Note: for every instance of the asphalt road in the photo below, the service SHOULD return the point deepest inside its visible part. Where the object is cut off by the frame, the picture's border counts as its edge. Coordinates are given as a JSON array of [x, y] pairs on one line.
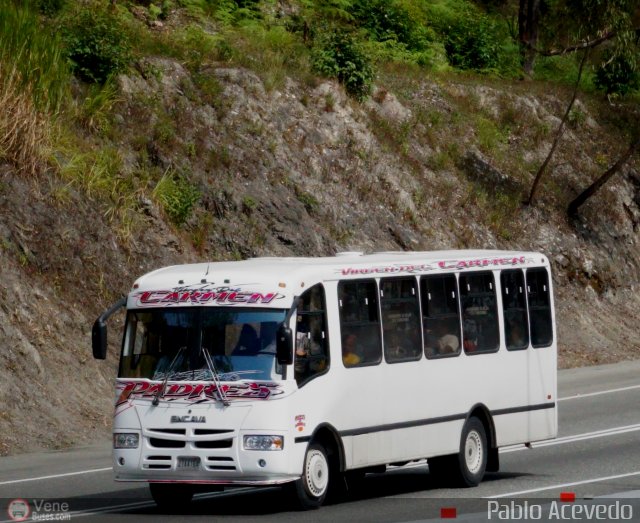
[[596, 458]]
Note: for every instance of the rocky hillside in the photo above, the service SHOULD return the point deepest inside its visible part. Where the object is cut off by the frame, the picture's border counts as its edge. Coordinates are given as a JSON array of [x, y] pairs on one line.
[[299, 168]]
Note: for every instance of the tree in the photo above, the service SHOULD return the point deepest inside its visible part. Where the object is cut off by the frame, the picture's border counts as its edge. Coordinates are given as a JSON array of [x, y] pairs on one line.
[[556, 140], [528, 22], [583, 25], [572, 210]]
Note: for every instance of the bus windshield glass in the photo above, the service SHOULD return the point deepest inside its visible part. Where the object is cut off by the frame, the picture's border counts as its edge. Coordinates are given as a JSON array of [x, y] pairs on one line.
[[171, 344]]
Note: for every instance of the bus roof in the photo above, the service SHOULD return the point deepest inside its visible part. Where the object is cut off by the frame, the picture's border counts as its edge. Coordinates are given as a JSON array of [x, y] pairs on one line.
[[274, 282]]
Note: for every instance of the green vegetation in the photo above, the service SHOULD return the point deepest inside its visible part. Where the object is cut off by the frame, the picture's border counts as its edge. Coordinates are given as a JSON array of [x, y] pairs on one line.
[[96, 43], [357, 42], [343, 39], [338, 55], [177, 196], [34, 80], [33, 57], [618, 74]]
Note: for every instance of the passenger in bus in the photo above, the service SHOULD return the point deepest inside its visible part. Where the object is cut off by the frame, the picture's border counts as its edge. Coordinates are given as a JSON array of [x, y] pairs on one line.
[[310, 355], [448, 344], [350, 351], [515, 337], [301, 366], [394, 344], [470, 333], [441, 341], [248, 342], [268, 331]]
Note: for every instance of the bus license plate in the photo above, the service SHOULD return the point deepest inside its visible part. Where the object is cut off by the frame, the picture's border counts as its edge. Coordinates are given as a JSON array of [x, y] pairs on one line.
[[189, 462]]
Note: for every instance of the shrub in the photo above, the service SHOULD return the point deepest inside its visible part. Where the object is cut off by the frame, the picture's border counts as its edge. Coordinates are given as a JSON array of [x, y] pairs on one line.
[[617, 75], [394, 21], [50, 7], [177, 196], [235, 11], [471, 39], [198, 45], [385, 20], [471, 43], [97, 44], [338, 55]]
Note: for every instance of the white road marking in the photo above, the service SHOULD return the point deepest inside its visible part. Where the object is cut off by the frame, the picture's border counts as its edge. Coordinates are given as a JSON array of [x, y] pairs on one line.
[[614, 431], [590, 394], [91, 471], [565, 485]]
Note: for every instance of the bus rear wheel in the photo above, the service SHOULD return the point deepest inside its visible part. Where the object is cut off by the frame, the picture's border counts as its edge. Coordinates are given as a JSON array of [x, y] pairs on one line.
[[472, 458], [467, 468], [311, 489]]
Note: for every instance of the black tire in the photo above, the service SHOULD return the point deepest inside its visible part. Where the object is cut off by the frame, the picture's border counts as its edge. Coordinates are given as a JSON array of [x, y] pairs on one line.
[[441, 469], [311, 489], [171, 496], [467, 468], [472, 458]]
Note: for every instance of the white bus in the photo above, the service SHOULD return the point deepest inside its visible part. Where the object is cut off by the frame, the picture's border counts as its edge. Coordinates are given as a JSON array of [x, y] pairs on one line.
[[301, 371]]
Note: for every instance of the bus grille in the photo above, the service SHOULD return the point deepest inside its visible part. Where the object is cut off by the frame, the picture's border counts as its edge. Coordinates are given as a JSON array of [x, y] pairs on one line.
[[219, 463], [166, 443], [159, 462]]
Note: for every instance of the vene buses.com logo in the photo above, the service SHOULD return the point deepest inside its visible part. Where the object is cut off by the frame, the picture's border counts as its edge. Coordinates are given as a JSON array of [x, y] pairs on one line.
[[19, 510]]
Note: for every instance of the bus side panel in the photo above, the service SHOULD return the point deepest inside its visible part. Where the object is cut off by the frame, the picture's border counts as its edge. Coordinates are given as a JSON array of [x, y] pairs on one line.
[[543, 383], [507, 369], [405, 444], [543, 390], [510, 428]]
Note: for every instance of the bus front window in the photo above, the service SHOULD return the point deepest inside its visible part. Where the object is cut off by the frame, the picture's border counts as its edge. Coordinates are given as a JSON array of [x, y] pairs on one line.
[[173, 341]]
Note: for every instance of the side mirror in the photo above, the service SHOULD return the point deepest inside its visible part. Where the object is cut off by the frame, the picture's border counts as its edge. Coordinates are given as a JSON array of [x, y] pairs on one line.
[[99, 339], [284, 345], [99, 331]]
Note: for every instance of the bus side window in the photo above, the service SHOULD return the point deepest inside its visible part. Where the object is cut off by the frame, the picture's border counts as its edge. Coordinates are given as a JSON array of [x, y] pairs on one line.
[[479, 312], [312, 341], [440, 315], [359, 323], [539, 308], [514, 309], [400, 319]]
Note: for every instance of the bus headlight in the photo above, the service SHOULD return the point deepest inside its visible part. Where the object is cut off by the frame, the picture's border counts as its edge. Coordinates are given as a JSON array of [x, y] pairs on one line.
[[125, 440], [263, 442]]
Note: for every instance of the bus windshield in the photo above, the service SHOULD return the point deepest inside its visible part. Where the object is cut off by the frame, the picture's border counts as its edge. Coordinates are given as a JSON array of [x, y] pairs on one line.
[[171, 344]]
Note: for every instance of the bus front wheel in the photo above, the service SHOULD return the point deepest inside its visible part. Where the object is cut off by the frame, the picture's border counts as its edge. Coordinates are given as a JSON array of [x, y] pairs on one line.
[[311, 489]]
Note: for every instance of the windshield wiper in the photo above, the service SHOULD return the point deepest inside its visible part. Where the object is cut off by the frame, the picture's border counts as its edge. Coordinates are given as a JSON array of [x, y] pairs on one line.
[[156, 398], [214, 375]]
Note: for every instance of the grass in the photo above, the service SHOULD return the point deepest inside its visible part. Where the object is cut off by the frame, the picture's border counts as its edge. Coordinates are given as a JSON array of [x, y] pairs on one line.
[[95, 111], [34, 80], [32, 56], [489, 136], [101, 176], [177, 196], [24, 131], [272, 52]]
